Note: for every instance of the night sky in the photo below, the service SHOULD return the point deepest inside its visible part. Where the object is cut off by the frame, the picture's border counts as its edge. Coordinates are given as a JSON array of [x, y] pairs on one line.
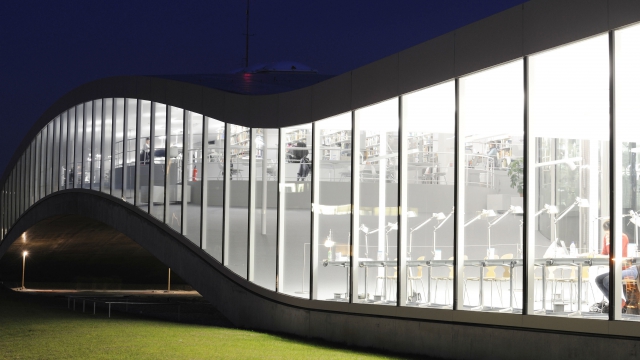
[[49, 48]]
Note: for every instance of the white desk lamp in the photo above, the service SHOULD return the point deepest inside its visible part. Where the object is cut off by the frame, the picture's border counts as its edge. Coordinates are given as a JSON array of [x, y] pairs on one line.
[[366, 232], [482, 214], [329, 244], [435, 228], [391, 227], [580, 202], [438, 216], [569, 161], [512, 209]]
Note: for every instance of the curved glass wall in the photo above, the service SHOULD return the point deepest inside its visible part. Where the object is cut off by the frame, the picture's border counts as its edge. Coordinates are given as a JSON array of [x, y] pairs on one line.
[[296, 210]]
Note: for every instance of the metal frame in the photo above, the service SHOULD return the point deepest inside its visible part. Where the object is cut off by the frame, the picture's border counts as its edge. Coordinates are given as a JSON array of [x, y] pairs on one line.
[[458, 200], [251, 211], [615, 196]]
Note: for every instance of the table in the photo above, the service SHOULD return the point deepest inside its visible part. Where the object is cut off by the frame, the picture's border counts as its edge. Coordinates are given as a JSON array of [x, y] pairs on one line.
[[577, 261]]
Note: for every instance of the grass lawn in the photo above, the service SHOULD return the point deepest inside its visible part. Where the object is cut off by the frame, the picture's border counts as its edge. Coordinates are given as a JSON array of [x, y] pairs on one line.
[[37, 330]]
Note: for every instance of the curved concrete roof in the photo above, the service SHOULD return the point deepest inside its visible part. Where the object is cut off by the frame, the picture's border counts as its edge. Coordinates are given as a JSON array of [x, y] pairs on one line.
[[523, 30]]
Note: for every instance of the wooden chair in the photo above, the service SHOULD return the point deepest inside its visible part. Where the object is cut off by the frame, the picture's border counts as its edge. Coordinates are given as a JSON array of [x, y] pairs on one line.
[[490, 277], [418, 276]]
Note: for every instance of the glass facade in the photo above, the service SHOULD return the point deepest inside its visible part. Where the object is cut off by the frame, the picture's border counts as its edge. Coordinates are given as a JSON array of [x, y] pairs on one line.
[[489, 192]]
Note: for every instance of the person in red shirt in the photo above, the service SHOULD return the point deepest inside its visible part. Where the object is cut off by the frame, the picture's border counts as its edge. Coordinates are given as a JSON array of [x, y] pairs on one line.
[[602, 280]]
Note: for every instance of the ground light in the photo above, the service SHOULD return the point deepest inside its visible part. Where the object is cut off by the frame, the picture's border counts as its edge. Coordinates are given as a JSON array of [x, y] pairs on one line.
[[24, 259]]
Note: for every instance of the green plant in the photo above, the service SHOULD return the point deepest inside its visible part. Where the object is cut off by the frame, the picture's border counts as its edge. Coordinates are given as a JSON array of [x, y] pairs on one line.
[[515, 172]]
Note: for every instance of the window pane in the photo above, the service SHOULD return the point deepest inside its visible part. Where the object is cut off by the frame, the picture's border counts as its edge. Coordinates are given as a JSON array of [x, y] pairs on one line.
[[49, 164], [55, 154], [44, 136], [131, 107], [62, 166], [265, 201], [144, 155], [377, 175], [78, 150], [33, 170], [159, 145], [173, 216], [105, 168], [295, 211], [118, 149], [213, 193], [429, 130], [332, 205], [71, 141], [193, 165], [238, 215], [492, 126], [86, 152], [569, 120], [628, 134], [96, 153]]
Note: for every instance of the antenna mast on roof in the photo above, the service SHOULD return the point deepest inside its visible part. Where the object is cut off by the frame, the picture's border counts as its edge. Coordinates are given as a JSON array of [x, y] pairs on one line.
[[246, 50]]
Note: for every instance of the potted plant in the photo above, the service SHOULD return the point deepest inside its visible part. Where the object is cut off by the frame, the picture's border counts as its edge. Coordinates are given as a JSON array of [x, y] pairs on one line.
[[515, 172]]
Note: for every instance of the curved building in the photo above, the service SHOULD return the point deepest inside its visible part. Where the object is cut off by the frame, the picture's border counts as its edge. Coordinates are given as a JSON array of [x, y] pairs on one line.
[[470, 197]]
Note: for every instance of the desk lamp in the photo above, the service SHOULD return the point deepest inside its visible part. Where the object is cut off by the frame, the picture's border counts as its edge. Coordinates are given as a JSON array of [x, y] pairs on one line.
[[580, 202], [366, 232], [438, 216], [329, 243], [435, 228], [391, 227], [569, 161], [481, 214], [512, 209]]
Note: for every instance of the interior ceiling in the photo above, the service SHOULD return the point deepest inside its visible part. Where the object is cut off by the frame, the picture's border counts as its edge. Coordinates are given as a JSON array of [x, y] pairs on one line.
[[74, 249]]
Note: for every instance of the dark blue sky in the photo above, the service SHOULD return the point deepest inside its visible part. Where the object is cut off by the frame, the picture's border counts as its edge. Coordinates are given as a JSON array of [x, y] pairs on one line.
[[48, 48]]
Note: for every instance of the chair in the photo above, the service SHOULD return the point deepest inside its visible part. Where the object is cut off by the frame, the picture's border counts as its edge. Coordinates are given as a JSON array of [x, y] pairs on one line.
[[573, 280], [490, 277], [632, 295], [446, 279], [413, 279], [506, 276], [390, 279]]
